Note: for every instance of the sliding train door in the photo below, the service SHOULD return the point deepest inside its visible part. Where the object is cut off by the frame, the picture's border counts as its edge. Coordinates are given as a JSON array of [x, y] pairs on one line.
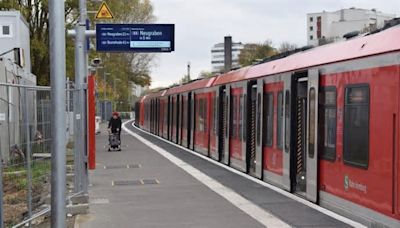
[[252, 115], [286, 136], [312, 136], [303, 126], [226, 127]]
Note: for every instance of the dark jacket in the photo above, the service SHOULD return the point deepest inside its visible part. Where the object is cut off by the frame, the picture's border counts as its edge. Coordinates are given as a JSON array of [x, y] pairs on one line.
[[114, 124]]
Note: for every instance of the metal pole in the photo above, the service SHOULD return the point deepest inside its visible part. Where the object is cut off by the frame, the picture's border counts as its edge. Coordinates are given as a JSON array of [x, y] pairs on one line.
[[28, 154], [80, 182], [58, 125]]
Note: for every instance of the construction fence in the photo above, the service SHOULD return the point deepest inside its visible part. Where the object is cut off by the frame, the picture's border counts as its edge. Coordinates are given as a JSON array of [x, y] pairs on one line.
[[25, 152]]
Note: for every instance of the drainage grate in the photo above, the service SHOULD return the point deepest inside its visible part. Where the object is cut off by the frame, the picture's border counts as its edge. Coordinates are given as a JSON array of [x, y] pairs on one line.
[[127, 182], [150, 181], [131, 166], [135, 182]]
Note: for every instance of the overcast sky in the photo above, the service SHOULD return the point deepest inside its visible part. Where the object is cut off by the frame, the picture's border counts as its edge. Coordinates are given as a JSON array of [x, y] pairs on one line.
[[199, 24]]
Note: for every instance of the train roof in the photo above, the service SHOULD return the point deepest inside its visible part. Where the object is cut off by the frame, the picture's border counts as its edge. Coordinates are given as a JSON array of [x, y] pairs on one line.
[[198, 84], [382, 42]]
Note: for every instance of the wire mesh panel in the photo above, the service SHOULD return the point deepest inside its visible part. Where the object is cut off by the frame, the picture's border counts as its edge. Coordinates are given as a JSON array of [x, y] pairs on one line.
[[25, 148]]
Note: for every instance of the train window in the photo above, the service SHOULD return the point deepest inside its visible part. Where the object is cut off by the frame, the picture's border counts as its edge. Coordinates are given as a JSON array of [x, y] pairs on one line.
[[279, 124], [327, 123], [287, 121], [311, 124], [268, 119], [356, 126]]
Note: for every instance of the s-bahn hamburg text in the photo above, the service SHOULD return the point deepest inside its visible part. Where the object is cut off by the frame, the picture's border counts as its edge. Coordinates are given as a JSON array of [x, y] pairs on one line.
[[135, 37]]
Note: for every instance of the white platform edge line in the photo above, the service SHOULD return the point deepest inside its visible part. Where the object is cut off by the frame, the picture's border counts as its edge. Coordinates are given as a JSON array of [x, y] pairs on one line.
[[240, 202], [258, 181]]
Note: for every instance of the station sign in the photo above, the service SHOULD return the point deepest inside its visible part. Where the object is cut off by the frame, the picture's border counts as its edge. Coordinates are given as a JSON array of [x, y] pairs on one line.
[[135, 37]]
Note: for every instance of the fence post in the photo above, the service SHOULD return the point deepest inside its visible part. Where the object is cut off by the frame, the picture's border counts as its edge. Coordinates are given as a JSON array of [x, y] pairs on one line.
[[28, 153]]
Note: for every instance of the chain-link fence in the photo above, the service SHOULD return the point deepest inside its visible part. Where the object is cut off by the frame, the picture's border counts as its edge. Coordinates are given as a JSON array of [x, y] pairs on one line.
[[25, 151]]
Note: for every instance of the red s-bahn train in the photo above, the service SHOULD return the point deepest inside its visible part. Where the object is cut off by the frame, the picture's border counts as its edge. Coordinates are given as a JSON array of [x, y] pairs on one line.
[[322, 123]]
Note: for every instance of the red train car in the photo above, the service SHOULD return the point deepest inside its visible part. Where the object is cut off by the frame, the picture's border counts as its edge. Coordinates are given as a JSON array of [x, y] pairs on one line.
[[321, 123]]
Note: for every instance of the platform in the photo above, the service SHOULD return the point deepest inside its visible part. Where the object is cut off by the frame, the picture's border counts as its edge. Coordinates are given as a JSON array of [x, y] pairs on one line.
[[152, 183]]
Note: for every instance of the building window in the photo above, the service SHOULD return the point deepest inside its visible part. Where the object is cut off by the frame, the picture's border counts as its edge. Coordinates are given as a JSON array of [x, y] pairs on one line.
[[311, 28], [311, 19], [356, 126], [311, 37], [6, 30], [268, 119], [327, 123]]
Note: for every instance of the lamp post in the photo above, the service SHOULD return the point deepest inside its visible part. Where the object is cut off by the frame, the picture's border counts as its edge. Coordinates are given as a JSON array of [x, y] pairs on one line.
[[114, 94], [105, 84]]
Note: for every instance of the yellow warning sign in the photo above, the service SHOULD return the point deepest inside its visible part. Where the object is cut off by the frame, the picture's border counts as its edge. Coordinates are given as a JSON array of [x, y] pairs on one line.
[[104, 12]]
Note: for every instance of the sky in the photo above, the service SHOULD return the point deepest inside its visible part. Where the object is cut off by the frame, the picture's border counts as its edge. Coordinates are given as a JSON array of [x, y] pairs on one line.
[[199, 24]]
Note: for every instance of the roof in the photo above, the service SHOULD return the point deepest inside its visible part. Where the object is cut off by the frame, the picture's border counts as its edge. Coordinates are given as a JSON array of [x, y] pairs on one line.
[[199, 84], [378, 43]]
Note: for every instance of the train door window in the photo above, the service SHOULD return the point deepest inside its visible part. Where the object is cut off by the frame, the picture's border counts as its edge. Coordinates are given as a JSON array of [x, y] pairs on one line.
[[287, 120], [356, 126], [258, 119], [200, 122], [268, 127], [279, 123], [240, 109], [327, 123], [311, 124], [205, 117], [234, 114], [215, 117]]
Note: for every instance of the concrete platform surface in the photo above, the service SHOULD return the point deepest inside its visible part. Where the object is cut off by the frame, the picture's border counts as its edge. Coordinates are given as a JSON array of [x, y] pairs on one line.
[[177, 200]]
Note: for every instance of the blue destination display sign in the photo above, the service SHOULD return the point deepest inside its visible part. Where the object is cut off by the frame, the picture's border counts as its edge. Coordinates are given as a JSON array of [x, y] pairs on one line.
[[135, 37]]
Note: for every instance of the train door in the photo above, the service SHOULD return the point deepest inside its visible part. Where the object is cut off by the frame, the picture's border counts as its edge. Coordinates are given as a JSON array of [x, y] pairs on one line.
[[182, 135], [312, 136], [168, 118], [237, 127], [252, 114], [151, 116], [304, 159], [226, 100], [192, 110], [286, 137], [213, 132], [178, 118], [222, 138]]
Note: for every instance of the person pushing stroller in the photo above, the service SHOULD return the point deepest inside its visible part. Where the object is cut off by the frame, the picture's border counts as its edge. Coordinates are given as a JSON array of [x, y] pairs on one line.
[[114, 128]]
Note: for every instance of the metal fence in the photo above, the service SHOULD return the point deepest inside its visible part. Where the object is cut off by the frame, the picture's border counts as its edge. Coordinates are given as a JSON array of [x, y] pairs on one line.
[[25, 152]]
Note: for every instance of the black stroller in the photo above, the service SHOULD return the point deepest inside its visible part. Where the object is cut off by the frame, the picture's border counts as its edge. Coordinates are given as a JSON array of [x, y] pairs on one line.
[[114, 142]]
